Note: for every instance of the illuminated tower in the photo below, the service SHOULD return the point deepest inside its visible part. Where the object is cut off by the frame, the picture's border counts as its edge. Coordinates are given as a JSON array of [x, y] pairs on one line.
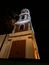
[[22, 43]]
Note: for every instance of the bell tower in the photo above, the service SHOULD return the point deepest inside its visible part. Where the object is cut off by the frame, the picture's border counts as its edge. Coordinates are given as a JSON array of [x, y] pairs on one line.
[[23, 38], [21, 42]]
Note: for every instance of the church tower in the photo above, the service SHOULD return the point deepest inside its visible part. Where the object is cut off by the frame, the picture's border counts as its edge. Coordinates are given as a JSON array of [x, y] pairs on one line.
[[22, 43]]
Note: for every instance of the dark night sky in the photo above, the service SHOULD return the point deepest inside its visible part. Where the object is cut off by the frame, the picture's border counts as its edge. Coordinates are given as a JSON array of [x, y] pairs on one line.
[[39, 15]]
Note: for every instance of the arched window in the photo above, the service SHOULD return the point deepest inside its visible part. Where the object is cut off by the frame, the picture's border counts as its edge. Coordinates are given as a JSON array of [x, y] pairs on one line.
[[23, 17], [22, 27]]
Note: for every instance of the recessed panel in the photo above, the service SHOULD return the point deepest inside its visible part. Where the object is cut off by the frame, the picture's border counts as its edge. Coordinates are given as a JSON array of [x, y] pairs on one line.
[[18, 49]]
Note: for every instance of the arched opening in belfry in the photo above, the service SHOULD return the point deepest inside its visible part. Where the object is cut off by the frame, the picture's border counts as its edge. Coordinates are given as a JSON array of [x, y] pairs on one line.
[[22, 27], [23, 17]]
